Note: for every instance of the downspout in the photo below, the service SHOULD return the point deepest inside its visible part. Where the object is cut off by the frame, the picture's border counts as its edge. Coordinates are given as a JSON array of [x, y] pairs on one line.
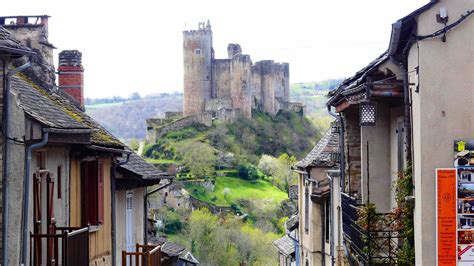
[[113, 212], [145, 209], [331, 215], [6, 152], [341, 148], [26, 194]]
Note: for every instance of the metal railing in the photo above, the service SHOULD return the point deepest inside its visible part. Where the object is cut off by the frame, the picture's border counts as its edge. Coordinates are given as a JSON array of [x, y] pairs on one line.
[[377, 241], [144, 255], [69, 246]]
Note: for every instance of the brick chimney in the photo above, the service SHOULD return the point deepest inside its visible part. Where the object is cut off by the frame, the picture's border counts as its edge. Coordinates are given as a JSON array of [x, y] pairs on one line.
[[70, 77]]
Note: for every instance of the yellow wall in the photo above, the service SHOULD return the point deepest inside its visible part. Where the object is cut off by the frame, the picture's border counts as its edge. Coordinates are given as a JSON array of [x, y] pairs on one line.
[[100, 240]]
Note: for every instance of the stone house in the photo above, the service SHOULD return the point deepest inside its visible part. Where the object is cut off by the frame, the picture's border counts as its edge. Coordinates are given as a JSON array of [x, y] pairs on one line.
[[315, 201], [406, 108], [62, 172]]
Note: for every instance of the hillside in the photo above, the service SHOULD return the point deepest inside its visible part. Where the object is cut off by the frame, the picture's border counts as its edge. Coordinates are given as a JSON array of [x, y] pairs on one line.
[[125, 118]]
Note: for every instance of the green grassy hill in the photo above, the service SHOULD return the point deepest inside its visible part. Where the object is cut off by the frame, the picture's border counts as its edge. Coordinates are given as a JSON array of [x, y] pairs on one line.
[[238, 189]]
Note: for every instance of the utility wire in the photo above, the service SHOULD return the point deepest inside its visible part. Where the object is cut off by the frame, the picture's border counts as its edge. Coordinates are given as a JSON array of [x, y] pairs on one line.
[[447, 28]]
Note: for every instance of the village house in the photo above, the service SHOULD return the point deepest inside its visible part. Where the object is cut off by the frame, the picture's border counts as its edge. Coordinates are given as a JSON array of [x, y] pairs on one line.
[[72, 194], [317, 242], [404, 111]]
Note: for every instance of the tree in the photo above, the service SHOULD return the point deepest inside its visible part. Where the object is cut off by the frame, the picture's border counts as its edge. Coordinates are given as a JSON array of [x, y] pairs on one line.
[[198, 157]]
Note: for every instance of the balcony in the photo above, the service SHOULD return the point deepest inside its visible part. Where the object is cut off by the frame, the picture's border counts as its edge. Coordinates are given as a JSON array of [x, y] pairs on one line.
[[68, 246], [144, 255], [376, 241]]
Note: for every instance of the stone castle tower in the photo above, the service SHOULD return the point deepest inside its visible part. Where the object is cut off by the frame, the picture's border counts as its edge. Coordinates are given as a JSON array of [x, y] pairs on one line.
[[198, 56], [234, 83], [223, 89]]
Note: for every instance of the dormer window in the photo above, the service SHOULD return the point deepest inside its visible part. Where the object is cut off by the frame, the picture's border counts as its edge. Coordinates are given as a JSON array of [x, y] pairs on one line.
[[197, 51]]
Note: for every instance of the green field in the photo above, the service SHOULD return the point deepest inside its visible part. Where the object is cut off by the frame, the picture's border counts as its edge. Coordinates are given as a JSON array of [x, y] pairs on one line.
[[159, 161], [239, 189], [102, 105]]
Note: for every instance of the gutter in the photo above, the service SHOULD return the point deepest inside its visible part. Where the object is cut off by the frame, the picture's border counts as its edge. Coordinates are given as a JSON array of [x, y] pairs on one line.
[[6, 153], [342, 164], [145, 209], [113, 212], [26, 194]]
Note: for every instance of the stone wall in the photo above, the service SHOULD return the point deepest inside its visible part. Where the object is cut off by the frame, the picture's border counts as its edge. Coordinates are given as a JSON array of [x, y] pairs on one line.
[[353, 152], [198, 204], [198, 56], [221, 78], [240, 87]]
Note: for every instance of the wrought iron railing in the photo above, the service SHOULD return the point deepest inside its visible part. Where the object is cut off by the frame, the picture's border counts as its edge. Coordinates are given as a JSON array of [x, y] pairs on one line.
[[69, 246], [376, 241]]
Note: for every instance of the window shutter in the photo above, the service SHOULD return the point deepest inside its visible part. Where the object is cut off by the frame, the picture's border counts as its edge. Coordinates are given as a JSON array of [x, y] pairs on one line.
[[100, 192], [91, 194]]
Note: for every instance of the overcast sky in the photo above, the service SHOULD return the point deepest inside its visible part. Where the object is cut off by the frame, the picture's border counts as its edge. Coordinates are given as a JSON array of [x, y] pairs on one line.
[[136, 45]]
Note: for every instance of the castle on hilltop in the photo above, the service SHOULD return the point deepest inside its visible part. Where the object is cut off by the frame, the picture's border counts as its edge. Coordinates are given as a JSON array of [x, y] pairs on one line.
[[212, 84], [221, 89]]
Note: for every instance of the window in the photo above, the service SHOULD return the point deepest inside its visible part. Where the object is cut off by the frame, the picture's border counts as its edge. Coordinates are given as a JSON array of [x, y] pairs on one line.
[[41, 159], [92, 192], [197, 51], [306, 207], [327, 224]]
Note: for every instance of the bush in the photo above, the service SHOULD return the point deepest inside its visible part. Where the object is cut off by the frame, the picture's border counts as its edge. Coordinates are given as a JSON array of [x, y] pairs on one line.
[[249, 172]]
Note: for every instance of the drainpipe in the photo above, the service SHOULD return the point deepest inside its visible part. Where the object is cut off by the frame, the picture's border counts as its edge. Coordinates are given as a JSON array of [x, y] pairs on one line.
[[145, 209], [113, 212], [341, 148], [331, 215], [26, 194], [6, 153]]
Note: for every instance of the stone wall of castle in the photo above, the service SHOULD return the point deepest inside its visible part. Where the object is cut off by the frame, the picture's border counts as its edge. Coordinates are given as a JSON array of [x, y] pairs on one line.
[[247, 85]]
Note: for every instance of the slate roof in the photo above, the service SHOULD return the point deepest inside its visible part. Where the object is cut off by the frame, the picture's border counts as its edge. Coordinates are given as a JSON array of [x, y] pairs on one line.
[[293, 192], [139, 166], [285, 245], [293, 222], [53, 110], [320, 155], [349, 85], [10, 45], [172, 249]]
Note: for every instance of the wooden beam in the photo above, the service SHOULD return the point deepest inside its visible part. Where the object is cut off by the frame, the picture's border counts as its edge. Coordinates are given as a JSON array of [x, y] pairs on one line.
[[342, 106]]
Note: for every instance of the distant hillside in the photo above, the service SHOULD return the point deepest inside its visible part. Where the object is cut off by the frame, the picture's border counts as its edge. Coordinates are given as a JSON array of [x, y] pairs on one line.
[[125, 118]]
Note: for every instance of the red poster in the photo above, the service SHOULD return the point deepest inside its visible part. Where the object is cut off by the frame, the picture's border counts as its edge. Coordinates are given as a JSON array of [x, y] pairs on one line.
[[446, 199]]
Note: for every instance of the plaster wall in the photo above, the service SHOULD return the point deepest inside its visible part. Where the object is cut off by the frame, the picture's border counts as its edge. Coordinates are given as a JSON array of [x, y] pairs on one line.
[[312, 241], [138, 219], [15, 180], [442, 111], [375, 162], [396, 119], [353, 151]]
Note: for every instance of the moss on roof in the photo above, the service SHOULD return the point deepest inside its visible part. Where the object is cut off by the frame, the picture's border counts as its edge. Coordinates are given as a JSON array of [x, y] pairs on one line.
[[99, 135]]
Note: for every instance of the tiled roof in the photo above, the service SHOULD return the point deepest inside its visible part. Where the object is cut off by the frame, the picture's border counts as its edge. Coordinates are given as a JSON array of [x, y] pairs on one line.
[[285, 245], [53, 110], [9, 44], [320, 155]]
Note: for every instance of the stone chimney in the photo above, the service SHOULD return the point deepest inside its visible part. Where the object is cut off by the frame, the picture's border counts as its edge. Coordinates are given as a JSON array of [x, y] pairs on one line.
[[70, 77], [32, 31]]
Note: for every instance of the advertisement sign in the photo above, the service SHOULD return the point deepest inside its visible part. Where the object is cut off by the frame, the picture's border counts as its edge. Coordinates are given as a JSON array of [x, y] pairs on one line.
[[446, 216], [464, 163]]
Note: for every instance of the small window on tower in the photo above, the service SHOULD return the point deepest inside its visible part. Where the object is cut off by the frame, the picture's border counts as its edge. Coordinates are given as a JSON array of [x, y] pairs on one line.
[[197, 51]]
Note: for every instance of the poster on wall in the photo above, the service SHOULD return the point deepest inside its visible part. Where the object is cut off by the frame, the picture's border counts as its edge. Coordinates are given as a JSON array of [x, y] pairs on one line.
[[464, 163], [446, 216]]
